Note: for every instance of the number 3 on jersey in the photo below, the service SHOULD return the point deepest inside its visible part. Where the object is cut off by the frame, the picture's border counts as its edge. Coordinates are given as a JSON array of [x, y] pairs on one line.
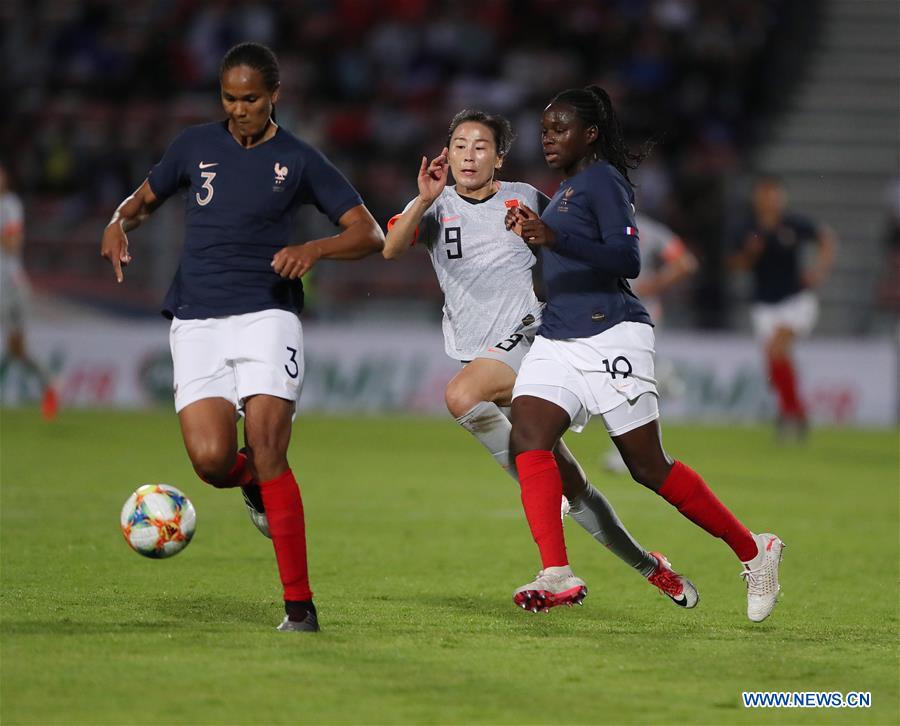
[[208, 177], [453, 240]]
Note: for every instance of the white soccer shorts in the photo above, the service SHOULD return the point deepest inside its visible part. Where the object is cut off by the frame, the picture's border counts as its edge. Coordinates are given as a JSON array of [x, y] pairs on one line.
[[237, 356], [605, 375], [798, 313], [513, 349]]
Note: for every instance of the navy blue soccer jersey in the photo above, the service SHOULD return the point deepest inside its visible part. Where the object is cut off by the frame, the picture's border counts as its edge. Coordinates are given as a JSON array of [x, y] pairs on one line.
[[777, 270], [241, 205], [596, 248]]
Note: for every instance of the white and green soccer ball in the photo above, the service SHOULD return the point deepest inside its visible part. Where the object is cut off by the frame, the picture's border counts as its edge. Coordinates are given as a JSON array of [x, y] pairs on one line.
[[158, 521]]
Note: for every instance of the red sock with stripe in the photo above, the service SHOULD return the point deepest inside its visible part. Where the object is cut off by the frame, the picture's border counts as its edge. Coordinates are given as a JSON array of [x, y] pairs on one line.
[[541, 485], [685, 490], [284, 510], [784, 381]]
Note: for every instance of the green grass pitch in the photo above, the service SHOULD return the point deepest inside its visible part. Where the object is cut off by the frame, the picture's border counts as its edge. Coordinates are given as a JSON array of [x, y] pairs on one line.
[[416, 543]]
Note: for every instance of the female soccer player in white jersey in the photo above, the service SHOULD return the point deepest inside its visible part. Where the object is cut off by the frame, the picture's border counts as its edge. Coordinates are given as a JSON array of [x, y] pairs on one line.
[[593, 355], [491, 313], [236, 338]]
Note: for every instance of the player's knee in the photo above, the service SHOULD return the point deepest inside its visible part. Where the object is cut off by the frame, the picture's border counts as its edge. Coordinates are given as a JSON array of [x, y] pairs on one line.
[[212, 464], [650, 474], [460, 399]]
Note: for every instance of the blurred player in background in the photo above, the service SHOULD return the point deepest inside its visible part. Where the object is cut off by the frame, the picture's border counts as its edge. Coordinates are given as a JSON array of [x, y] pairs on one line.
[[665, 262], [593, 354], [15, 294], [491, 313], [236, 338], [784, 299]]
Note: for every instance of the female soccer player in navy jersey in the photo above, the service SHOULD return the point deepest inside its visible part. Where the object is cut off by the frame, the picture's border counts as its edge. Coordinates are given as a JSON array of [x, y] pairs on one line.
[[593, 354], [491, 313], [236, 338], [784, 298]]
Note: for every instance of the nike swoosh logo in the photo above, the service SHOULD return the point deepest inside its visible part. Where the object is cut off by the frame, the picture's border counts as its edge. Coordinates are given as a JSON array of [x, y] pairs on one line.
[[450, 219], [206, 166]]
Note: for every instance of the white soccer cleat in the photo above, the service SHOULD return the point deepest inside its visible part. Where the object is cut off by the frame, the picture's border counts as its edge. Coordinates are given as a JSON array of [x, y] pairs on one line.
[[761, 575], [553, 586]]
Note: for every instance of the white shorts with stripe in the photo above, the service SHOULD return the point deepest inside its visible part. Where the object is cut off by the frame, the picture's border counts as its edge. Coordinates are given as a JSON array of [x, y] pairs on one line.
[[605, 375], [237, 356], [513, 349], [798, 313]]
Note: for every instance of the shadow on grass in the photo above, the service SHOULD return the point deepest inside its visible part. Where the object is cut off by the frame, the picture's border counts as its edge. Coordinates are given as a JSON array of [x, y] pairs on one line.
[[169, 612]]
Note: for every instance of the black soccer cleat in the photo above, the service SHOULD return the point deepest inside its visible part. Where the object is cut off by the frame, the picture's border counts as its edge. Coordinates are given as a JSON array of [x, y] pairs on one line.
[[255, 507], [309, 623]]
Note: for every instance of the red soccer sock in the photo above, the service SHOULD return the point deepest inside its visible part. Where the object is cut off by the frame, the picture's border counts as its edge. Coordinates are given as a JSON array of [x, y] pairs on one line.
[[685, 490], [784, 381], [284, 510], [239, 475], [541, 486]]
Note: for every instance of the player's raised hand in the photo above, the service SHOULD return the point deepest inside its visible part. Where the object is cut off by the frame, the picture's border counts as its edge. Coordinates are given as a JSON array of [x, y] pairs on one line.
[[433, 176], [294, 261], [114, 247]]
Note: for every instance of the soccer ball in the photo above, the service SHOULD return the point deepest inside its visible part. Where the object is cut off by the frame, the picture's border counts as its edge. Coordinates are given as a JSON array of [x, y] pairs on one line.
[[158, 521]]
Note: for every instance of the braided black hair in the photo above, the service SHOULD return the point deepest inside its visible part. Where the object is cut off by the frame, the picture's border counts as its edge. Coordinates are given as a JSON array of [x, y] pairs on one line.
[[594, 107], [499, 126]]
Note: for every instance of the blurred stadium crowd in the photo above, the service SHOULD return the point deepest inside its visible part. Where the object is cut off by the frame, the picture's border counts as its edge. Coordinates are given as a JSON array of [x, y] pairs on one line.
[[100, 87]]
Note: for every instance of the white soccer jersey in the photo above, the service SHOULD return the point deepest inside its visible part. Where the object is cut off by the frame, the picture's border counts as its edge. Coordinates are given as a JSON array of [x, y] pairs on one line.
[[659, 245], [483, 269]]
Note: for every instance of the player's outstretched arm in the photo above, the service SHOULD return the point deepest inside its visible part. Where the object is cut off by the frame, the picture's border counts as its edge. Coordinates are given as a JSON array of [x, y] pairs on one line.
[[133, 210], [431, 181], [360, 236]]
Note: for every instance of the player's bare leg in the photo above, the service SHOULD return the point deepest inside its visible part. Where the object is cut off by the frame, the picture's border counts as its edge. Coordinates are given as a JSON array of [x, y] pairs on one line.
[[684, 489], [267, 429], [210, 437]]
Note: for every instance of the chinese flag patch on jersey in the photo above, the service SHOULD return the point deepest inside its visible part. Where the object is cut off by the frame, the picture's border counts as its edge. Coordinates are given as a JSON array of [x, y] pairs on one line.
[[511, 203]]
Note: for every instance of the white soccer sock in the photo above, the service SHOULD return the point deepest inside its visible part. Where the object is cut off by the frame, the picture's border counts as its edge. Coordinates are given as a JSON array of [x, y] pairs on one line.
[[486, 422], [596, 515]]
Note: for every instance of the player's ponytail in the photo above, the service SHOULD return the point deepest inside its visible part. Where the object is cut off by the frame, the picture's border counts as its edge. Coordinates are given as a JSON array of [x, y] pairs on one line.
[[594, 107]]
